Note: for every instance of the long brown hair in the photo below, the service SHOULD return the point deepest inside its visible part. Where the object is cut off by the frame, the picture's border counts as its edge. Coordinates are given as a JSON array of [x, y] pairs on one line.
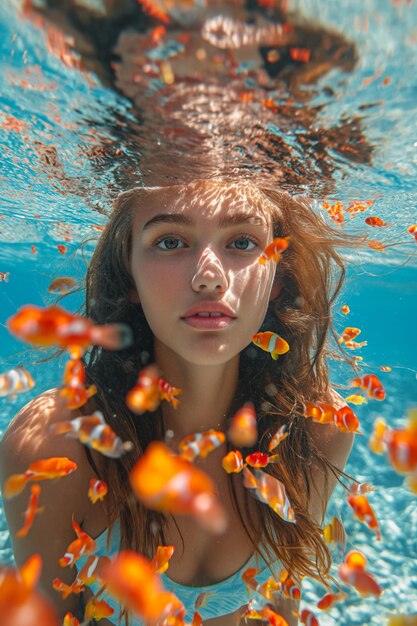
[[310, 273]]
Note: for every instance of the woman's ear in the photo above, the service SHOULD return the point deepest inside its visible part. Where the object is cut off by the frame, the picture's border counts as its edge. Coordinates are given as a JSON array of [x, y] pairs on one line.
[[134, 296]]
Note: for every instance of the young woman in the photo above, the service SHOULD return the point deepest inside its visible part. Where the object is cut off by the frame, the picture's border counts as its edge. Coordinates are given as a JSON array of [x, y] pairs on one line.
[[167, 254]]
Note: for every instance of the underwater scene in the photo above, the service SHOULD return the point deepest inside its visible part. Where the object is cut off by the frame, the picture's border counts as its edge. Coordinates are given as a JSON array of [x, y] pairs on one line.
[[315, 97]]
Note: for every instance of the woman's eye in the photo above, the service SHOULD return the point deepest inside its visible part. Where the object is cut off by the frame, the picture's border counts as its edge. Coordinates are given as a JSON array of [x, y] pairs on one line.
[[242, 243], [171, 243]]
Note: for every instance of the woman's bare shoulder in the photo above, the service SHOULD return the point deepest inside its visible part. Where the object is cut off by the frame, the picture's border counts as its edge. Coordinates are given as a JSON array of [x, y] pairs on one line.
[[28, 438]]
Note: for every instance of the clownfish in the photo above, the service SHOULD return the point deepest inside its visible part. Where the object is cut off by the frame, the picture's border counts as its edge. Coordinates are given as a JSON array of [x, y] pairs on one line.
[[330, 599], [161, 558], [66, 590], [31, 511], [43, 469], [74, 388], [62, 285], [371, 384], [352, 572], [84, 544], [131, 579], [277, 437], [233, 462], [93, 432], [272, 252], [168, 393], [349, 333], [91, 570], [243, 430], [97, 609], [54, 325], [289, 587], [375, 221], [270, 490], [97, 490], [166, 482], [200, 444], [145, 395], [272, 343], [15, 381], [364, 512]]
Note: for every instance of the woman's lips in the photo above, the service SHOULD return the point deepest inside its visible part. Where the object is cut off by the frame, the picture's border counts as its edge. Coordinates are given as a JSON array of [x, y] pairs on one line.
[[215, 322]]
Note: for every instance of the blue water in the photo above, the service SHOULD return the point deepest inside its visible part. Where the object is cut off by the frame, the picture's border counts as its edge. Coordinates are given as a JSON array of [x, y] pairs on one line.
[[381, 288]]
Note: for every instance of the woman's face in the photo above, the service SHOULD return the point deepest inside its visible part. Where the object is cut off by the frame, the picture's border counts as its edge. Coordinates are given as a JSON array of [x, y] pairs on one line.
[[197, 246]]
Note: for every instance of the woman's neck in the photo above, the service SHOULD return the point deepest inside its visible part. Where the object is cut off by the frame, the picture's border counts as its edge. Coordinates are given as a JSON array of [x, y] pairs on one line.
[[207, 393]]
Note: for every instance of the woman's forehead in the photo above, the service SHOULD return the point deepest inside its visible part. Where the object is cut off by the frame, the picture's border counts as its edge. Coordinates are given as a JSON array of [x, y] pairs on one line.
[[209, 199]]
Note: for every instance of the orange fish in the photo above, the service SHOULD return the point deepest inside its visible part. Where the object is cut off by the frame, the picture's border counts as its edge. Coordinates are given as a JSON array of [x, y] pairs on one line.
[[359, 489], [202, 599], [307, 618], [271, 342], [63, 285], [43, 469], [289, 587], [345, 309], [4, 276], [200, 444], [346, 421], [84, 544], [277, 437], [168, 393], [70, 620], [62, 249], [349, 333], [93, 432], [145, 395], [166, 482], [155, 9], [320, 412], [371, 384], [375, 221], [97, 490], [233, 462], [161, 559], [131, 579], [53, 325], [31, 511], [400, 443], [272, 252], [300, 54], [20, 604], [91, 570], [76, 587], [344, 418], [74, 388], [97, 609], [364, 512], [265, 614], [243, 429], [376, 245], [385, 368], [330, 599], [352, 572], [355, 345], [413, 230], [260, 459], [15, 381], [335, 532], [270, 490]]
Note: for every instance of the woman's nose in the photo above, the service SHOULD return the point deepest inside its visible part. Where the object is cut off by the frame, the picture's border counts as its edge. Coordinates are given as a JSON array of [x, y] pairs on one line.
[[209, 273]]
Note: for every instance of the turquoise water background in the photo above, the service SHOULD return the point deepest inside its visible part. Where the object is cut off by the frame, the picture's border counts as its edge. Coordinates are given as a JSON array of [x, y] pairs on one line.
[[381, 288]]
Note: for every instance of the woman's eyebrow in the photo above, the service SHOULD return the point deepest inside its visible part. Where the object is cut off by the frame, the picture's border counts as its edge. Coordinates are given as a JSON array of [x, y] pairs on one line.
[[181, 218]]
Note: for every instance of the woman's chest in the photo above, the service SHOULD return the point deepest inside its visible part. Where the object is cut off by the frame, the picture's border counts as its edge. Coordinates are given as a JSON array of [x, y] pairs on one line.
[[203, 558]]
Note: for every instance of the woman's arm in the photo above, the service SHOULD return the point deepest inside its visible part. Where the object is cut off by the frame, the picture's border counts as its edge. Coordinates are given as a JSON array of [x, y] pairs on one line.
[[335, 446], [27, 439]]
